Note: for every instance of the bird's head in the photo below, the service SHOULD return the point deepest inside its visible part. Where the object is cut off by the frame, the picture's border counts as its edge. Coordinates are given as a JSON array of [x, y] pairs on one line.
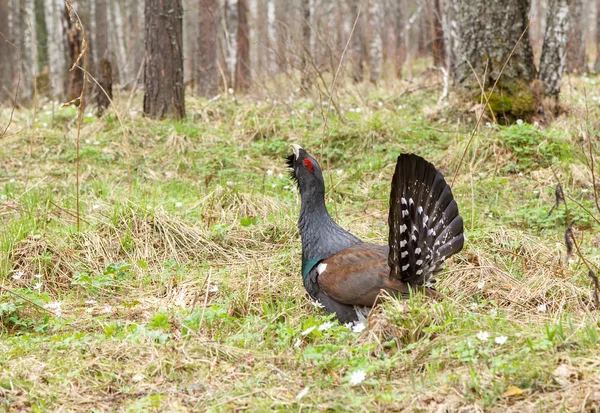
[[306, 171]]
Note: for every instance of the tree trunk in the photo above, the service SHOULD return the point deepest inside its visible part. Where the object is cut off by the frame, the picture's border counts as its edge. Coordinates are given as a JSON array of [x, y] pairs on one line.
[[271, 38], [163, 79], [231, 23], [489, 32], [305, 53], [358, 40], [29, 58], [451, 36], [208, 75], [102, 56], [75, 76], [242, 68], [6, 51], [597, 64], [552, 62], [576, 59], [54, 12], [400, 55], [376, 43], [437, 33]]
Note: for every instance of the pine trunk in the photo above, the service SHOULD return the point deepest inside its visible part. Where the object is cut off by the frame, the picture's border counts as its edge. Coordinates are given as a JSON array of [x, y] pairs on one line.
[[102, 56], [208, 75], [376, 43], [242, 68], [437, 33], [489, 32], [163, 79], [576, 60], [552, 62], [74, 48]]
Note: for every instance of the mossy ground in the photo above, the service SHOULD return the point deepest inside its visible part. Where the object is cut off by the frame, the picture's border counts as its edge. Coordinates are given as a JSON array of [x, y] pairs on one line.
[[181, 291]]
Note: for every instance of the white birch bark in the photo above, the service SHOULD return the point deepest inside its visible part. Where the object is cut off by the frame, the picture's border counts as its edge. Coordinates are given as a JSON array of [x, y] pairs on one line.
[[554, 49], [376, 41], [272, 37]]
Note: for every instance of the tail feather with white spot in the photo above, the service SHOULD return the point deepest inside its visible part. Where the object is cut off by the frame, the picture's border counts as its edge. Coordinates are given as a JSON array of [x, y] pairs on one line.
[[425, 227]]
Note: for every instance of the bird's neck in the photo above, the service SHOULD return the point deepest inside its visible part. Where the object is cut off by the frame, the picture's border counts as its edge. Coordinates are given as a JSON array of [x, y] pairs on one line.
[[321, 236]]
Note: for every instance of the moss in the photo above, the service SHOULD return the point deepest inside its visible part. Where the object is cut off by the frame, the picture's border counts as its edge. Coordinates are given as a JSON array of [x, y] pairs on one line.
[[510, 101]]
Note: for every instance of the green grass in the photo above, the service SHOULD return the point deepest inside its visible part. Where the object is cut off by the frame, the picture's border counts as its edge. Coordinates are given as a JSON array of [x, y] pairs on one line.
[[181, 291]]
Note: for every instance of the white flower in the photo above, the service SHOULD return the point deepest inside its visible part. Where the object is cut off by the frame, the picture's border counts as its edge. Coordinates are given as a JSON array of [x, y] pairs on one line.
[[357, 377], [519, 121], [380, 104], [493, 312], [542, 308], [214, 289], [37, 286], [230, 91], [280, 176], [358, 327], [89, 310], [270, 172], [481, 284], [357, 110], [308, 331], [400, 107], [178, 204], [339, 171], [88, 141], [137, 378], [95, 207], [483, 335], [18, 275], [302, 393], [108, 309], [91, 302], [53, 306], [473, 306], [38, 276], [326, 326], [316, 304], [297, 343], [501, 339]]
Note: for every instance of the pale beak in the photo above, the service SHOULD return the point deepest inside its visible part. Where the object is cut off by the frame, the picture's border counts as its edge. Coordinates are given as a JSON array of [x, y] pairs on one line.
[[296, 149]]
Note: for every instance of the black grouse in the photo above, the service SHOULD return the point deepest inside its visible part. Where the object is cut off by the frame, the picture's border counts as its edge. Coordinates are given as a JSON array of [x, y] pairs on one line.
[[346, 275]]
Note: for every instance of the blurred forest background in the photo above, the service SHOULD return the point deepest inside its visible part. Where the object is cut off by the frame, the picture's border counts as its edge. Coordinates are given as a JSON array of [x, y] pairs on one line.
[[262, 45]]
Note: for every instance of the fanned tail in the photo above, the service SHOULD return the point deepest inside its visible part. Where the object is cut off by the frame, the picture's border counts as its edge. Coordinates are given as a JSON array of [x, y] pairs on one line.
[[425, 227]]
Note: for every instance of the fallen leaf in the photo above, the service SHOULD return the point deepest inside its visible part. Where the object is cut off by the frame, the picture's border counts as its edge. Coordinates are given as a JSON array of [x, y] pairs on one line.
[[513, 391], [564, 374]]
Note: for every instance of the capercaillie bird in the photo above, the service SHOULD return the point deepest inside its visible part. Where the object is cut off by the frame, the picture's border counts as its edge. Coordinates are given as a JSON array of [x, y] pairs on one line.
[[346, 275]]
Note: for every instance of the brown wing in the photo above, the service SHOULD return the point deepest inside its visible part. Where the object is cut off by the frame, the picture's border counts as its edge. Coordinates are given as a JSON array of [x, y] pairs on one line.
[[357, 275]]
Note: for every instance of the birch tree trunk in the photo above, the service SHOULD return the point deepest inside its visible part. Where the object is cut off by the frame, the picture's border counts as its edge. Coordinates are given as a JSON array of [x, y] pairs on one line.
[[242, 68], [489, 33], [208, 75], [376, 42], [231, 22], [102, 56], [576, 59], [552, 62], [57, 65], [163, 75], [272, 37]]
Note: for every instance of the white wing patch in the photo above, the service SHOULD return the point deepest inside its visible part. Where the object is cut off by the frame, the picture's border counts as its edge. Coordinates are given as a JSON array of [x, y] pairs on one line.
[[321, 268]]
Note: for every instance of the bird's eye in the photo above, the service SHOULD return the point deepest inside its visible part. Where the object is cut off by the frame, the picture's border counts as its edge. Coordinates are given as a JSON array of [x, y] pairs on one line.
[[308, 165]]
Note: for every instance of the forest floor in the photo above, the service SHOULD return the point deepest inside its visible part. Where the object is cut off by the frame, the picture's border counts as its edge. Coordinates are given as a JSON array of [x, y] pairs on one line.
[[181, 290]]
